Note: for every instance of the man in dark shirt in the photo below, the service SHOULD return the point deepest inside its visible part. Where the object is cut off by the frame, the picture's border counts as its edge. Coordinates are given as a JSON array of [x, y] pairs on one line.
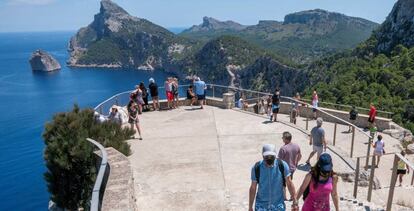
[[153, 87], [353, 114], [275, 104]]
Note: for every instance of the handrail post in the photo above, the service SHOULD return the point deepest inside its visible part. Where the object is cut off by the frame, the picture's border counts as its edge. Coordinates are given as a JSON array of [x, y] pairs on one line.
[[213, 91], [334, 136], [412, 178], [356, 178], [371, 179], [393, 182], [100, 109], [307, 119], [353, 140], [116, 101], [368, 152]]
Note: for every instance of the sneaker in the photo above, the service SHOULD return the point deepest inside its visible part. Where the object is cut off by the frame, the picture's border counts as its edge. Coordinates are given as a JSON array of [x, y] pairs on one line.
[[140, 138]]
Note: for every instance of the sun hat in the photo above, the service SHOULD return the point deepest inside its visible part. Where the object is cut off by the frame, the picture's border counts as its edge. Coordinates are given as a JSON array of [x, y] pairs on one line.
[[325, 162], [269, 149]]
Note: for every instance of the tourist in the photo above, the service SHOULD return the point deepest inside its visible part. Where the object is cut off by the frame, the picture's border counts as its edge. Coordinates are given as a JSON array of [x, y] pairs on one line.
[[297, 103], [315, 101], [174, 90], [402, 169], [269, 107], [318, 185], [240, 103], [317, 139], [133, 117], [168, 92], [200, 88], [262, 107], [290, 153], [271, 176], [353, 114], [294, 113], [115, 116], [378, 149], [190, 95], [144, 95], [275, 104], [139, 99], [153, 87], [371, 115]]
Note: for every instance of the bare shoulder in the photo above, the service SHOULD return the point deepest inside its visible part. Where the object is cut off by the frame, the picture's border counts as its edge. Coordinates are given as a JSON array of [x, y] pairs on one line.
[[335, 178]]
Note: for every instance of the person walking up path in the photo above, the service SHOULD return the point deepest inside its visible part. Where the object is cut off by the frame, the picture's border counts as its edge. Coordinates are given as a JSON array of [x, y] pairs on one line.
[[268, 179], [402, 169], [378, 149], [353, 114], [318, 185], [200, 88], [315, 102], [372, 114], [290, 153], [317, 139]]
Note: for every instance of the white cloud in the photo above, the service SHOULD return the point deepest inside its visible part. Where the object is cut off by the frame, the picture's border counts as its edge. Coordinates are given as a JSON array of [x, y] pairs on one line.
[[30, 2]]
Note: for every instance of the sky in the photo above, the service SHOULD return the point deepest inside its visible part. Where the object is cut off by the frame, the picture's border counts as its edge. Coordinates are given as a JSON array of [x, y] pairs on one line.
[[70, 15]]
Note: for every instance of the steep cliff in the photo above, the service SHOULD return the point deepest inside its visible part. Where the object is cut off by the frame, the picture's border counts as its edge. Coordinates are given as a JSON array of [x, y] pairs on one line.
[[117, 39]]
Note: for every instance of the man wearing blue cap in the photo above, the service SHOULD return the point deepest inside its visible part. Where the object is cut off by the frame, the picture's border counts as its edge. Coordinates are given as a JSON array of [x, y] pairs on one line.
[[271, 176]]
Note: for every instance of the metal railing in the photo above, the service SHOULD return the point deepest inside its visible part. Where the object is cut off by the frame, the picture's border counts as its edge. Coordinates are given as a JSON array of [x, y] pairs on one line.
[[217, 91], [97, 191], [362, 110], [122, 99], [397, 157]]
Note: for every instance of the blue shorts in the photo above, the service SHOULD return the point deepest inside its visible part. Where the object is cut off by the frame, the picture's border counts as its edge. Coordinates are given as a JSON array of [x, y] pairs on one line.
[[201, 97]]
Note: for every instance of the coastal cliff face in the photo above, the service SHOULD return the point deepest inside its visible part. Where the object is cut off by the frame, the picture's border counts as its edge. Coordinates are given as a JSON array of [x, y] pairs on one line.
[[301, 38], [117, 39], [42, 61], [398, 28]]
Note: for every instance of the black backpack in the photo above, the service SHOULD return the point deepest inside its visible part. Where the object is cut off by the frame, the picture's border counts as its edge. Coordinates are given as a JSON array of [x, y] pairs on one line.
[[281, 169]]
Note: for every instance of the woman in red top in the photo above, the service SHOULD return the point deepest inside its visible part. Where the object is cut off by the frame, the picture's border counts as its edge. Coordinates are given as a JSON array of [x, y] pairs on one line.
[[372, 113]]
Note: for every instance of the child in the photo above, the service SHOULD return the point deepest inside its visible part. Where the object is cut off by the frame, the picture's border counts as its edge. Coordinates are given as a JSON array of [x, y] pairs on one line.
[[379, 149], [402, 168]]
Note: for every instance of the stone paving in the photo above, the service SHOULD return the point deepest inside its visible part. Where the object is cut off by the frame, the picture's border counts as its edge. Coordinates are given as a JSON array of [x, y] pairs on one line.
[[192, 159]]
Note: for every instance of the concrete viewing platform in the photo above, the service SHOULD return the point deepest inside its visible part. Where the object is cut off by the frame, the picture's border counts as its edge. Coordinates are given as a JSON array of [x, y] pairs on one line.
[[193, 159]]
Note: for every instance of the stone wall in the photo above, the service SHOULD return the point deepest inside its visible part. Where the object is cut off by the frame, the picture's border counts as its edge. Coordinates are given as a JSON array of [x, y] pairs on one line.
[[119, 191]]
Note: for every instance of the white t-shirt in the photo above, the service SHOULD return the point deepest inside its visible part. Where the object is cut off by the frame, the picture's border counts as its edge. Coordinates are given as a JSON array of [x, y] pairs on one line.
[[379, 146]]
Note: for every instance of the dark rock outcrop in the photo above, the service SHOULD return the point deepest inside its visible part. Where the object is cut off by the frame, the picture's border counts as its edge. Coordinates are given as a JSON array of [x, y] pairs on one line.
[[42, 61], [211, 24], [398, 28], [117, 39]]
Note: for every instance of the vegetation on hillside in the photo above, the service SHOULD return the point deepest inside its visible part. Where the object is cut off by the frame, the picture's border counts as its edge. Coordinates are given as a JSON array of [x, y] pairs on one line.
[[360, 77], [70, 159]]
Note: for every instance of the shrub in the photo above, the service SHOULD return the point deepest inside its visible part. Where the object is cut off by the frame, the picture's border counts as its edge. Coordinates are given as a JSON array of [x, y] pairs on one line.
[[70, 160]]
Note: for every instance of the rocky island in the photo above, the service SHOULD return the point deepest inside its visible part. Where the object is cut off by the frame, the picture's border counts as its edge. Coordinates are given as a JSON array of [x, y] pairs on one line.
[[42, 61]]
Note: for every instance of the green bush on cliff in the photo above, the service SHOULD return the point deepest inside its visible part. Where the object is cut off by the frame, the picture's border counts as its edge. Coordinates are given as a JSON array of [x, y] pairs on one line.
[[363, 77], [70, 159]]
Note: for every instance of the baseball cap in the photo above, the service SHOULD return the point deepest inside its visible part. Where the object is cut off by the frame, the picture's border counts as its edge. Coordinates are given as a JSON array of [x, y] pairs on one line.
[[325, 162], [269, 149], [151, 80]]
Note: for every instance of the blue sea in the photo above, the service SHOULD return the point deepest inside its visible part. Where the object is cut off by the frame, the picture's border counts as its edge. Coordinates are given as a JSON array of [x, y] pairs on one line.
[[29, 99]]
